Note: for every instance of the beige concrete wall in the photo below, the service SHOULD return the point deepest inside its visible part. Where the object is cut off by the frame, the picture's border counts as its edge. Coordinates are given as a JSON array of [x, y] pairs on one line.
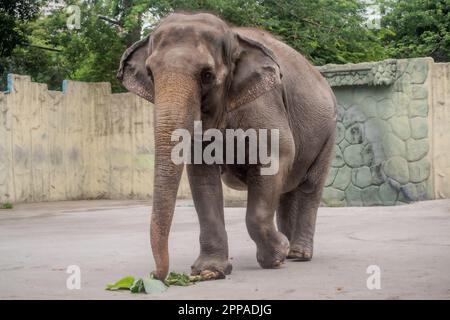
[[440, 127], [83, 143]]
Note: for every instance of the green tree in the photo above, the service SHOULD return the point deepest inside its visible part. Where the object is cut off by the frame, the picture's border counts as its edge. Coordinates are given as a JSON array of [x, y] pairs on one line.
[[55, 53], [91, 53], [326, 31], [417, 28], [13, 13]]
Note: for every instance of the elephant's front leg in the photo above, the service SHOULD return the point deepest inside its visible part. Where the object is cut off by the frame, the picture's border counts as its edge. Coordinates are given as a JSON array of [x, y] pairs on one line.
[[206, 188], [263, 197]]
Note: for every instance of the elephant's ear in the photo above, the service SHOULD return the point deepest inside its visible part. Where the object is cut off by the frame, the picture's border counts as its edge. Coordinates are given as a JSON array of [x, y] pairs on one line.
[[132, 71], [256, 71]]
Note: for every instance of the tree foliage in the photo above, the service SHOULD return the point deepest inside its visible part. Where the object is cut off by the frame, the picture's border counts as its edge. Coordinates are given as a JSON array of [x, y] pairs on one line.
[[90, 53], [12, 14], [325, 31], [418, 28]]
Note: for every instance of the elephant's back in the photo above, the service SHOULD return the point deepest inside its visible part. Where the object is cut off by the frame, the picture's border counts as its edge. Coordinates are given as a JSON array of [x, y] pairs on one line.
[[300, 78], [289, 58], [310, 102]]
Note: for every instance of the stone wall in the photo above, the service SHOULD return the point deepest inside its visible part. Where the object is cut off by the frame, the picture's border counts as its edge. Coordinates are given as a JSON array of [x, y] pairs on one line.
[[392, 145], [387, 124]]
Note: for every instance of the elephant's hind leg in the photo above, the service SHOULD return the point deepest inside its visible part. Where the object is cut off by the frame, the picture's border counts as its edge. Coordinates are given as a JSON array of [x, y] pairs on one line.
[[296, 216], [206, 188], [286, 213]]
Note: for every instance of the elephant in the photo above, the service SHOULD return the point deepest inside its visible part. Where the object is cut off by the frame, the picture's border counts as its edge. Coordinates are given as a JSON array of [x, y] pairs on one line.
[[194, 66]]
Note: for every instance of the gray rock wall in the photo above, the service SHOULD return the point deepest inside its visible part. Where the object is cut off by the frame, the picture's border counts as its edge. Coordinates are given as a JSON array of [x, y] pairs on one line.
[[383, 143]]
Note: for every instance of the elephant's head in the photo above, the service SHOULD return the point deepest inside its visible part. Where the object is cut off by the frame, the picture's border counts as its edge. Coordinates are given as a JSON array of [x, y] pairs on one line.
[[193, 67]]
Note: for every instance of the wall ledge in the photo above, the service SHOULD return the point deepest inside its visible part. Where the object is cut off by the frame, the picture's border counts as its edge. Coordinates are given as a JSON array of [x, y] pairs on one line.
[[382, 73], [14, 79], [9, 83]]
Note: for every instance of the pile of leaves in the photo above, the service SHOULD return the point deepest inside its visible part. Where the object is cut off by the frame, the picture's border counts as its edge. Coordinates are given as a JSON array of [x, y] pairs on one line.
[[152, 285]]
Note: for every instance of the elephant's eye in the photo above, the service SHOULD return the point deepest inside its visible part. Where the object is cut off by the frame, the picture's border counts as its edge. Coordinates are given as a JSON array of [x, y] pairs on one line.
[[207, 77]]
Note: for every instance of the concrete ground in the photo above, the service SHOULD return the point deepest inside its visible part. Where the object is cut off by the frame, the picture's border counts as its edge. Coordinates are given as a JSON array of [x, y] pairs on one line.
[[109, 240]]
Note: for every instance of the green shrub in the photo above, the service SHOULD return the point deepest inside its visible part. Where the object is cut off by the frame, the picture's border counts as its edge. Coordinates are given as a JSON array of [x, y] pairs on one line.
[[6, 205]]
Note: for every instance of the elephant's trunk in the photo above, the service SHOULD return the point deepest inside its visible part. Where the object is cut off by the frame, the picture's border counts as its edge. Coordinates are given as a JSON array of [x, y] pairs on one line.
[[176, 105]]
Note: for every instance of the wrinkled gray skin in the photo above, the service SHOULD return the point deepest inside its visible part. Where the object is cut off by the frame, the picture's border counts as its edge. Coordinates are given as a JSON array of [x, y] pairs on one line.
[[196, 67]]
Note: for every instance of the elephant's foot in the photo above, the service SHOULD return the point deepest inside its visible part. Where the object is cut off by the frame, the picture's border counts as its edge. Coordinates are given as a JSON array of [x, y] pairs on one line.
[[300, 252], [211, 268], [273, 254]]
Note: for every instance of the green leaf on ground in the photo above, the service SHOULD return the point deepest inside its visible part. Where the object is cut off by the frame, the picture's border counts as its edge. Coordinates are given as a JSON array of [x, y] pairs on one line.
[[178, 279], [138, 286], [153, 285], [124, 283], [181, 279], [195, 279]]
